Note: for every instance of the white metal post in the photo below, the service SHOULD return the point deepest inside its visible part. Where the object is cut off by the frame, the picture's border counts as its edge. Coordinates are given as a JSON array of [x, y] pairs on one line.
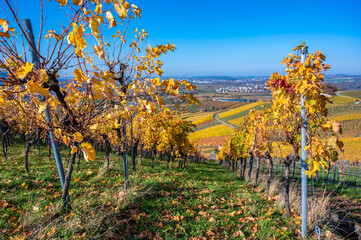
[[303, 155]]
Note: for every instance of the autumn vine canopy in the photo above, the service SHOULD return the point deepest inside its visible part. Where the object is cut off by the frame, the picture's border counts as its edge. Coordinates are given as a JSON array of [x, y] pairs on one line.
[[96, 102]]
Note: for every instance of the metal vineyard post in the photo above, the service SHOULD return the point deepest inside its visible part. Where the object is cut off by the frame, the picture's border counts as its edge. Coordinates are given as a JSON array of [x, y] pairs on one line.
[[54, 144], [303, 155]]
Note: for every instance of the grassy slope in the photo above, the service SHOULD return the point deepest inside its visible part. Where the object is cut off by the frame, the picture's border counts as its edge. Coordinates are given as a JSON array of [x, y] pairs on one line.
[[179, 203]]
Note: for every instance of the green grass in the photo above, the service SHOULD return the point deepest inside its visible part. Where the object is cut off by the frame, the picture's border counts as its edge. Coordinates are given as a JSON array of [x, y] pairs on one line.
[[204, 199]]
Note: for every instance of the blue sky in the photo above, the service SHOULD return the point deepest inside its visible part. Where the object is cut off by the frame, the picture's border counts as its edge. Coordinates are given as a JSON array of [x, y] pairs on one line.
[[234, 37]]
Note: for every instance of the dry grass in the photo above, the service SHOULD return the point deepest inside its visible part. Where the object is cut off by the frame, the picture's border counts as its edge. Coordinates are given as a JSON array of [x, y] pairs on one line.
[[318, 206]]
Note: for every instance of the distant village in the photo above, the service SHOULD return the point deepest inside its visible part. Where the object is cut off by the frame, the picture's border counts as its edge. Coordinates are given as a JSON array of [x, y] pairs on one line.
[[246, 89]]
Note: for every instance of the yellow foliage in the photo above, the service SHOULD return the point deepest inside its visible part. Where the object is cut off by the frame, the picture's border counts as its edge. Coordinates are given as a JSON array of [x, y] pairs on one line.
[[111, 19], [62, 2], [66, 140], [74, 149], [76, 37], [237, 121], [78, 137], [77, 2], [35, 87], [214, 131], [352, 149], [346, 117], [240, 109], [340, 100], [88, 151], [203, 119], [23, 70]]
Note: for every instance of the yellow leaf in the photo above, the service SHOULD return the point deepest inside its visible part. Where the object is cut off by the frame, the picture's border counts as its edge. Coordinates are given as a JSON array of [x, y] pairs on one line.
[[190, 86], [88, 151], [90, 61], [42, 107], [79, 52], [94, 26], [98, 8], [74, 149], [111, 19], [5, 25], [126, 5], [77, 2], [108, 92], [79, 75], [76, 37], [160, 101], [156, 82], [52, 33], [51, 232], [94, 127], [66, 140], [316, 166], [43, 75], [327, 125], [99, 51], [35, 87], [78, 137], [336, 126], [308, 62], [23, 70], [121, 10], [158, 70], [62, 2]]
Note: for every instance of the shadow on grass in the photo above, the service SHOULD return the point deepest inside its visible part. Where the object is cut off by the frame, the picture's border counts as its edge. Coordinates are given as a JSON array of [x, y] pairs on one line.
[[162, 200]]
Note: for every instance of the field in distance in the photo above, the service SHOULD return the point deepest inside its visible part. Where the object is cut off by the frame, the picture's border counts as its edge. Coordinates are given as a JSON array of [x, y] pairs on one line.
[[209, 132]]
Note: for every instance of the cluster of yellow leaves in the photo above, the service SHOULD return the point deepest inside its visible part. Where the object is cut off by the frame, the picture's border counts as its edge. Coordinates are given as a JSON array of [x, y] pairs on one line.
[[93, 91], [240, 109], [88, 151], [22, 71], [76, 37], [122, 9], [5, 27], [87, 148], [284, 117]]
